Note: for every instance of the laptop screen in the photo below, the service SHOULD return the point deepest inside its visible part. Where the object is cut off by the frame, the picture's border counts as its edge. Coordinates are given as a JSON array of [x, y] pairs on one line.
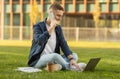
[[92, 64]]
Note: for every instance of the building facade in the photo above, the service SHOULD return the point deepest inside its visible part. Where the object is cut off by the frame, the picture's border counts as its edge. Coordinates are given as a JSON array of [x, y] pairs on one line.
[[14, 15]]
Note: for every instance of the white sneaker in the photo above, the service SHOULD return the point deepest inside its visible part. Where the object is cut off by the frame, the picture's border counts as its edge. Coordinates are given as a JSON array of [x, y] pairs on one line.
[[81, 65]]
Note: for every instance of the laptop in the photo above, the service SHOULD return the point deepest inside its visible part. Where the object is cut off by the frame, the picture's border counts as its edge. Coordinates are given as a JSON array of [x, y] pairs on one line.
[[92, 64]]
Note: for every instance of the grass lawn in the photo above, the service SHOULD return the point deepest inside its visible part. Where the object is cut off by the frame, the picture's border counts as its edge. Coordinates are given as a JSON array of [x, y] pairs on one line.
[[12, 57]]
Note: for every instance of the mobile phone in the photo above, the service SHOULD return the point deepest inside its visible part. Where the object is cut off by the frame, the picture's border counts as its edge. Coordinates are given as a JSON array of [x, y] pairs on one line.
[[51, 16]]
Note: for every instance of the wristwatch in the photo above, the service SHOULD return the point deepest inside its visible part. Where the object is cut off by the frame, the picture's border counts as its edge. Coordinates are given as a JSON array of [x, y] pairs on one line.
[[71, 58]]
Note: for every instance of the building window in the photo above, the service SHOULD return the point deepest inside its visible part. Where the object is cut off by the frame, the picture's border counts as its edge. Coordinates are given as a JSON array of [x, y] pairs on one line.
[[7, 19], [113, 0], [6, 1], [16, 1], [47, 1], [26, 19], [79, 1], [60, 1], [114, 7], [16, 19], [103, 7], [16, 8], [26, 1], [46, 7], [7, 8], [102, 1], [26, 8], [38, 1], [90, 7], [80, 7], [90, 1], [68, 1]]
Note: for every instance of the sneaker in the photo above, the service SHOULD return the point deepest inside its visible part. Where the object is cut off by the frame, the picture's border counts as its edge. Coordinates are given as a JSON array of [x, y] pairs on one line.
[[53, 67], [81, 65]]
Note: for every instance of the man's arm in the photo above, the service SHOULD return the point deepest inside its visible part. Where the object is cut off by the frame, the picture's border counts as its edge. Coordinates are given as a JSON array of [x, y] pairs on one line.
[[63, 43], [72, 61], [66, 50], [39, 36]]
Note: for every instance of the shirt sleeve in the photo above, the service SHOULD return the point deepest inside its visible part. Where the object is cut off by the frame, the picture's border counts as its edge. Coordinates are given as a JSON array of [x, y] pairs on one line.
[[63, 43], [39, 35]]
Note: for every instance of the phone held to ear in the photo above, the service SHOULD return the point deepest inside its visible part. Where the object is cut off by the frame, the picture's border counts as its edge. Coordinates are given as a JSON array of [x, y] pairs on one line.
[[51, 16]]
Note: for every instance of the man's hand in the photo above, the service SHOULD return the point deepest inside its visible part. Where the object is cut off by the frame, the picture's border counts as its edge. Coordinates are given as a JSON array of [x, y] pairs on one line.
[[74, 63], [52, 26]]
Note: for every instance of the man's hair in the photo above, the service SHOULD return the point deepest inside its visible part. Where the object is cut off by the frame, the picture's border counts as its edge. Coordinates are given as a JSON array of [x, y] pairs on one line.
[[56, 6]]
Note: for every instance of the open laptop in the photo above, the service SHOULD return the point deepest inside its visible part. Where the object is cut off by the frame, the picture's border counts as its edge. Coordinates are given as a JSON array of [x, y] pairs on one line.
[[91, 64]]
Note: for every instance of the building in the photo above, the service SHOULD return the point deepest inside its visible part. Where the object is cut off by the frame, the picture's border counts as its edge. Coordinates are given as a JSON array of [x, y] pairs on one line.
[[78, 13]]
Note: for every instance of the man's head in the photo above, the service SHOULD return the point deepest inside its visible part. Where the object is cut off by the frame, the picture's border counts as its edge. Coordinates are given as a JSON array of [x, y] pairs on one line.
[[57, 10]]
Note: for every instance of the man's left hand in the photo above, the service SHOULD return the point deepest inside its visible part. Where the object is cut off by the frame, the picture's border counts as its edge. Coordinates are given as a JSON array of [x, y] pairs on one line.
[[74, 63]]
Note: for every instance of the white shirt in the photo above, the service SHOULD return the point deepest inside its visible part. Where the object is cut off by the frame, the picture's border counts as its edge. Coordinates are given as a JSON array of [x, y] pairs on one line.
[[51, 44]]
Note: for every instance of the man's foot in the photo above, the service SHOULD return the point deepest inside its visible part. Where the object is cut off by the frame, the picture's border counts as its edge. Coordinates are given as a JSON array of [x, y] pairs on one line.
[[53, 67], [81, 66]]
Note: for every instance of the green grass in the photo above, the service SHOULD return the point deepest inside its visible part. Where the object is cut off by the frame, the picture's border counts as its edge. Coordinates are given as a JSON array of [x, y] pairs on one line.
[[12, 57]]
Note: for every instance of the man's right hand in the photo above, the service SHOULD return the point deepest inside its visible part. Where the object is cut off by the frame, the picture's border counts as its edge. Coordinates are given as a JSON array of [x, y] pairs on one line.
[[53, 24]]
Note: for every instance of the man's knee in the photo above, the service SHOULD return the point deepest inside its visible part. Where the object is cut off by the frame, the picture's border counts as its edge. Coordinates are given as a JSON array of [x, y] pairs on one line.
[[56, 55], [75, 56]]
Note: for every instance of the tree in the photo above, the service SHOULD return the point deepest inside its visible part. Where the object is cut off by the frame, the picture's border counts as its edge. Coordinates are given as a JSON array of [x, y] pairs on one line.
[[96, 15], [34, 14]]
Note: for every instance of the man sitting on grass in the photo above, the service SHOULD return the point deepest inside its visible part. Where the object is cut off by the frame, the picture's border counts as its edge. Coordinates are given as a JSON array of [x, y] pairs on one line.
[[47, 41]]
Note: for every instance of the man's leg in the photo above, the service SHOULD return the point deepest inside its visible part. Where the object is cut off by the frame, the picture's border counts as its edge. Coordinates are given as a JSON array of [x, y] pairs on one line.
[[45, 59]]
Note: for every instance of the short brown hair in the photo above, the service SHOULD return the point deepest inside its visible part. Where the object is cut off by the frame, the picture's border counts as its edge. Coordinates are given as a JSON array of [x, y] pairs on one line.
[[56, 6]]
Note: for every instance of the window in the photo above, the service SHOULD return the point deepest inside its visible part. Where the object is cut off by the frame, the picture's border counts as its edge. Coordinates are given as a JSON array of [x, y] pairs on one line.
[[79, 1], [16, 8], [7, 19], [26, 8], [58, 0], [47, 1], [38, 1], [103, 7], [102, 1], [113, 0], [46, 7], [16, 19], [26, 1], [16, 1], [114, 7], [90, 1], [68, 1], [6, 1], [26, 19], [90, 7], [69, 7], [80, 7], [7, 8]]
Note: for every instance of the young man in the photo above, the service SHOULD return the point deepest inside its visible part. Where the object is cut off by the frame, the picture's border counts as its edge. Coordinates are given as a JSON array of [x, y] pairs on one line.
[[47, 41]]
